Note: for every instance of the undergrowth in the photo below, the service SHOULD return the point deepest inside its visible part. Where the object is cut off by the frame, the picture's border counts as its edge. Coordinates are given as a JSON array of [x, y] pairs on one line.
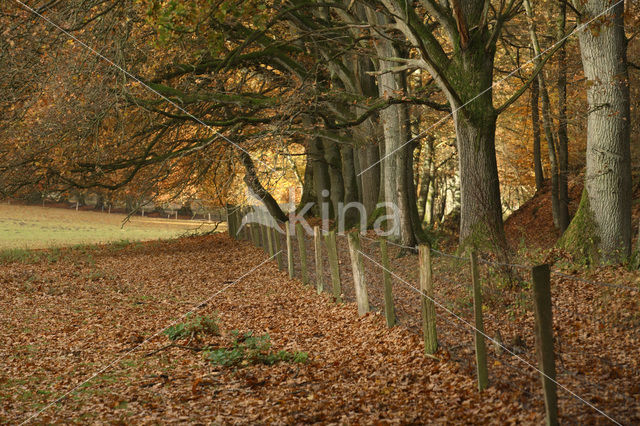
[[193, 328], [247, 349]]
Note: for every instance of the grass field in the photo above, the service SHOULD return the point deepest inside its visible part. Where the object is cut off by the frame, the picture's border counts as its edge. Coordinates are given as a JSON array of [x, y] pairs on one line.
[[34, 227]]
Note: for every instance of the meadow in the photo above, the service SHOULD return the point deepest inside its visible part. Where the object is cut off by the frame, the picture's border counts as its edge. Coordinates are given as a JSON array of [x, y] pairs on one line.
[[34, 227]]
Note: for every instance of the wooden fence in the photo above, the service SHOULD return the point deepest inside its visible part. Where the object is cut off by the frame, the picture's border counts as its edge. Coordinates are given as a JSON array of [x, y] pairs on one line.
[[325, 252]]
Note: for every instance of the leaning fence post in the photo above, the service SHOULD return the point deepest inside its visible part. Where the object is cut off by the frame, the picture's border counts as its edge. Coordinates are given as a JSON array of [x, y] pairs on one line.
[[389, 310], [287, 228], [317, 245], [540, 276], [332, 254], [357, 266], [481, 349], [302, 249], [428, 307]]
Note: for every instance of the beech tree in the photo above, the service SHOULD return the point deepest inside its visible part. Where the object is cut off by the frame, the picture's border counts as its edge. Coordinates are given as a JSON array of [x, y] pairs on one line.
[[461, 62], [341, 95], [601, 229]]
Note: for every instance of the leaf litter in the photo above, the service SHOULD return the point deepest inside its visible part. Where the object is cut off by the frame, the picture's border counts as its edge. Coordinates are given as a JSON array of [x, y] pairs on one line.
[[63, 321]]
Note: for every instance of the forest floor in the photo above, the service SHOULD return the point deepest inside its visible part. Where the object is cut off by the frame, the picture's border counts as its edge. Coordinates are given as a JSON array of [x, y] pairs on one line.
[[85, 327], [596, 327], [65, 314]]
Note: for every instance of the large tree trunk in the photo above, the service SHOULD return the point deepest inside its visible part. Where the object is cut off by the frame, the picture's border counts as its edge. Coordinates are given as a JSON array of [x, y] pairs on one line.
[[480, 210], [369, 158], [350, 184], [334, 161], [396, 177], [425, 177], [602, 225], [321, 181], [395, 126], [308, 188], [535, 124]]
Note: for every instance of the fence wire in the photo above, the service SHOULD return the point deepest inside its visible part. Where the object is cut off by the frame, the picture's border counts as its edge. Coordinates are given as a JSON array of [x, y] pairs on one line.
[[594, 373]]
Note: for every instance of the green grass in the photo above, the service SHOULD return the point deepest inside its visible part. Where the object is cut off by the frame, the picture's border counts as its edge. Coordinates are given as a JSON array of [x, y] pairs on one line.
[[31, 227]]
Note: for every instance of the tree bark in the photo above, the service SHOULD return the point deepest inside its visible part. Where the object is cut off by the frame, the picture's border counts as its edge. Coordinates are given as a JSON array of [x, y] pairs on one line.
[[308, 189], [608, 171], [253, 182], [480, 207], [535, 124], [334, 162], [425, 177], [395, 126], [369, 158], [321, 181], [563, 138], [350, 184], [547, 120]]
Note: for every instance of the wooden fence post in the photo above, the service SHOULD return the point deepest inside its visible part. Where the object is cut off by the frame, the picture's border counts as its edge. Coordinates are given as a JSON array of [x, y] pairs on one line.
[[287, 228], [252, 233], [247, 228], [357, 266], [278, 247], [258, 230], [332, 253], [540, 276], [302, 249], [317, 245], [242, 232], [389, 310], [481, 349], [236, 222], [428, 307], [229, 221], [263, 232], [270, 242]]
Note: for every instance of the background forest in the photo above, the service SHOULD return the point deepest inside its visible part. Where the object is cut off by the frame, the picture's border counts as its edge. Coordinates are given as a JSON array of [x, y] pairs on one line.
[[457, 112]]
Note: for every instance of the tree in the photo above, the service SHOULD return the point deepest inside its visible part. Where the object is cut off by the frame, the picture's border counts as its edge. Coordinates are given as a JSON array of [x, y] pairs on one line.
[[601, 229], [461, 62]]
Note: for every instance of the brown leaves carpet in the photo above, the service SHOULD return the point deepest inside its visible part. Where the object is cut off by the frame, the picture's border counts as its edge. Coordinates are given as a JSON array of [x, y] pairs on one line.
[[64, 319]]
